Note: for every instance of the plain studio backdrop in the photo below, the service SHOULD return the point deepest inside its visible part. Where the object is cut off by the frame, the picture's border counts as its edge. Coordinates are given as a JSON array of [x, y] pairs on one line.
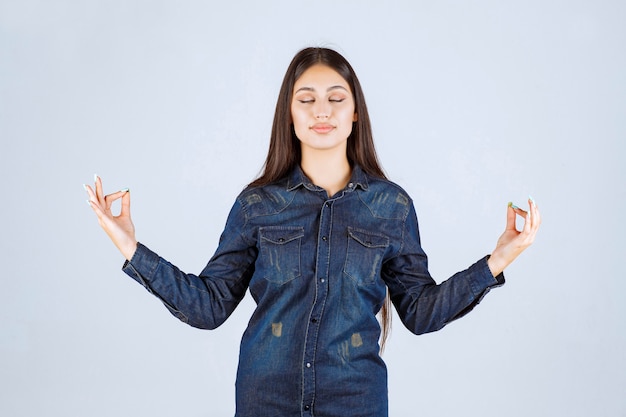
[[473, 103]]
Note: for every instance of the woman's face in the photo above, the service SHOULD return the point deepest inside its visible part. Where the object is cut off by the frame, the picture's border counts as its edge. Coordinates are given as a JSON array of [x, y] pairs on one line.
[[322, 109]]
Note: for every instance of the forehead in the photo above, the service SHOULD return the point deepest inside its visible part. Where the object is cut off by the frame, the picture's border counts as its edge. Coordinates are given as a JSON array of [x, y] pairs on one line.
[[320, 76]]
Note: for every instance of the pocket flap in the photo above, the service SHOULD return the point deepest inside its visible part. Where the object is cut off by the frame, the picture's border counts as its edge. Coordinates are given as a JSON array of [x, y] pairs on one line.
[[368, 239], [281, 234]]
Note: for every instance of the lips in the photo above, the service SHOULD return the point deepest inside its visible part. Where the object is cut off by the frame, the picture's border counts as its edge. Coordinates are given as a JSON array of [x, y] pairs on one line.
[[322, 127]]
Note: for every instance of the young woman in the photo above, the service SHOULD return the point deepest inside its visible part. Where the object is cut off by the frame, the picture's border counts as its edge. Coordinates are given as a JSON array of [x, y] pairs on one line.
[[324, 242]]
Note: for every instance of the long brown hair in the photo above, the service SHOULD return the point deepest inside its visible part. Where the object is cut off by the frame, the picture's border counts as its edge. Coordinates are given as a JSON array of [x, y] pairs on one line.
[[284, 150]]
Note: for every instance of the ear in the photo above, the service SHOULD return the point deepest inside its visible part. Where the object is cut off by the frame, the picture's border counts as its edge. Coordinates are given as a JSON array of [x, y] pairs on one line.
[[356, 117]]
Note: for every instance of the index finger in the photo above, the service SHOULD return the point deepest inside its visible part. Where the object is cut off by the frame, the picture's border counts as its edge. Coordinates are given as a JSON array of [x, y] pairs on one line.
[[113, 197]]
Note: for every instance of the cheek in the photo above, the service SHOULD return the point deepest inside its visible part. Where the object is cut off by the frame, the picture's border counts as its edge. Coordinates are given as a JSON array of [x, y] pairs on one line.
[[296, 119], [349, 115], [299, 125]]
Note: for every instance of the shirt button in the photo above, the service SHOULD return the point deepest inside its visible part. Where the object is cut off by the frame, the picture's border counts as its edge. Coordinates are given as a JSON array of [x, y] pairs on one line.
[[324, 238], [307, 407], [350, 185], [322, 280], [308, 365], [314, 320]]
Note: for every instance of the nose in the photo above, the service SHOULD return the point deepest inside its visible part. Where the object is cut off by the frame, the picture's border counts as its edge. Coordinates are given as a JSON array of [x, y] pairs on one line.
[[322, 110]]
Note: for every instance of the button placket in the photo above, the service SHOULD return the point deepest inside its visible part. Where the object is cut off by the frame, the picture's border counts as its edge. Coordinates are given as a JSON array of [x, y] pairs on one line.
[[322, 271]]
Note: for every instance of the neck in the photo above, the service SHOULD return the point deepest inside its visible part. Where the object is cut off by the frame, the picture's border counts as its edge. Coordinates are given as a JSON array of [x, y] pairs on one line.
[[329, 170]]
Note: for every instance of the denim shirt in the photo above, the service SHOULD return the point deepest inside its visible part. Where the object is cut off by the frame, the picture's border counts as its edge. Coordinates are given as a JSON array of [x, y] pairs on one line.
[[318, 269]]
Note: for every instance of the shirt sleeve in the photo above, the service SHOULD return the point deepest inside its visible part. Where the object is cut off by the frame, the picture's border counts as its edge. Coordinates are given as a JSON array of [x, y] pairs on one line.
[[422, 304], [205, 300]]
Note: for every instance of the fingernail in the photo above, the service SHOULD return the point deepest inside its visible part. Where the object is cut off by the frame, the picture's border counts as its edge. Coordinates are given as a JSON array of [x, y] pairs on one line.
[[124, 190], [85, 187], [513, 205], [530, 197], [88, 202], [95, 177]]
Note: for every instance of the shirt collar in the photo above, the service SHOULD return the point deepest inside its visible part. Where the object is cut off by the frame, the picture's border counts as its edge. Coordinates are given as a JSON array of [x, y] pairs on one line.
[[297, 178]]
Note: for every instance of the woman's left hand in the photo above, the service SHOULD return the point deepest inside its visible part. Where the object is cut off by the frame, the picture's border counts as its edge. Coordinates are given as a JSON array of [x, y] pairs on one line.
[[513, 242]]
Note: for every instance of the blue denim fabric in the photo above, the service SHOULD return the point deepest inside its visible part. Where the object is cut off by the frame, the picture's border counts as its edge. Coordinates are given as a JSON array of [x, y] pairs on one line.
[[318, 269]]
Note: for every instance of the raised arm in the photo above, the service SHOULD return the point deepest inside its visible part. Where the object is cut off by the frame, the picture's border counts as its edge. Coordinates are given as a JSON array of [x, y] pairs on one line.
[[423, 305], [205, 300]]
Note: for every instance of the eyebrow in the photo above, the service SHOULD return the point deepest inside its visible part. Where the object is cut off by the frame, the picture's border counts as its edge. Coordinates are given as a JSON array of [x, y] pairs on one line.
[[334, 87]]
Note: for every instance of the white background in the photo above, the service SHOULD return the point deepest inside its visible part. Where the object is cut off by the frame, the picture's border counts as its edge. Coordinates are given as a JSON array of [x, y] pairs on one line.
[[473, 103]]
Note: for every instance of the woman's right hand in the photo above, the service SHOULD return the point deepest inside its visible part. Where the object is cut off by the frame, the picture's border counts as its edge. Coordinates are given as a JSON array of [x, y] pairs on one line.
[[120, 229]]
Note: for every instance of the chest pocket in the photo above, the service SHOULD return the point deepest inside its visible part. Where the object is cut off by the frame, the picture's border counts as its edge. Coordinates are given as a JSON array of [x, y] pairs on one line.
[[364, 256], [279, 247]]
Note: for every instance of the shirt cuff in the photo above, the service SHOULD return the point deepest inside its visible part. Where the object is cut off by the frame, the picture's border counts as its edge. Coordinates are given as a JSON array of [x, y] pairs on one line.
[[142, 265], [482, 279]]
